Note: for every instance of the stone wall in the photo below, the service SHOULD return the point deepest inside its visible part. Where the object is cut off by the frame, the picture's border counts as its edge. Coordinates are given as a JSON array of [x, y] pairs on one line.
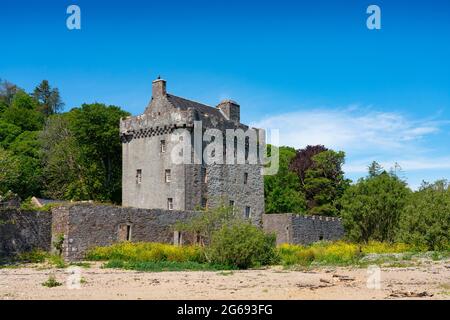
[[22, 231], [298, 229], [280, 224], [86, 226]]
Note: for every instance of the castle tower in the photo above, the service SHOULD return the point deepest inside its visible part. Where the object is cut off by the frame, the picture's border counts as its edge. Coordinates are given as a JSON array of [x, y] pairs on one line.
[[151, 178]]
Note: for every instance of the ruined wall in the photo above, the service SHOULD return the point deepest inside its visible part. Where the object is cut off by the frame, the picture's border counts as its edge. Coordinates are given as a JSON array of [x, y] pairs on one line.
[[280, 224], [22, 231], [298, 229], [86, 226], [309, 229]]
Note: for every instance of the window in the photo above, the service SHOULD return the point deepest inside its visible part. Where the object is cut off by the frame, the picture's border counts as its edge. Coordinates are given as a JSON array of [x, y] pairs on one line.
[[125, 232], [138, 176], [170, 204], [177, 238], [167, 175], [232, 206], [204, 203], [248, 212], [163, 146], [204, 175], [245, 178]]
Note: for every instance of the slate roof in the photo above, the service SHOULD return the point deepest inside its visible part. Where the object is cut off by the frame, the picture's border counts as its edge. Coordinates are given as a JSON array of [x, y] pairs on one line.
[[184, 104]]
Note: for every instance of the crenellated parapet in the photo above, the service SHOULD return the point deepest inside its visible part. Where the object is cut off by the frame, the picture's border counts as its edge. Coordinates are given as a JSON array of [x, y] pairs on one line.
[[149, 124]]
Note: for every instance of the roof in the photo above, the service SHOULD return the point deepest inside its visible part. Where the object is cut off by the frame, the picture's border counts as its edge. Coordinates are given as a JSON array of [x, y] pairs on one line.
[[184, 104]]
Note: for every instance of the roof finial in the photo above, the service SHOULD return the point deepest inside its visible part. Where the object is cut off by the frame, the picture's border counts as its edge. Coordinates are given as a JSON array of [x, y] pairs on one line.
[[159, 77]]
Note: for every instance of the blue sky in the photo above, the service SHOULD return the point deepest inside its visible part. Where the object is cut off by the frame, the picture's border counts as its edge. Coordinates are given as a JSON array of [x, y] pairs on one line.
[[310, 68]]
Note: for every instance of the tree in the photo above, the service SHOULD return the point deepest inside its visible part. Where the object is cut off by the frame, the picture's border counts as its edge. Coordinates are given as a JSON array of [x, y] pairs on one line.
[[23, 113], [82, 154], [63, 171], [96, 129], [48, 98], [303, 160], [26, 150], [9, 172], [282, 190], [324, 183], [375, 169], [425, 221], [8, 132], [7, 92], [372, 207]]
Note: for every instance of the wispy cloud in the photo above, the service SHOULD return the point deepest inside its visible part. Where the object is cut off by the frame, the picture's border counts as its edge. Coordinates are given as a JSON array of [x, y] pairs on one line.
[[365, 135]]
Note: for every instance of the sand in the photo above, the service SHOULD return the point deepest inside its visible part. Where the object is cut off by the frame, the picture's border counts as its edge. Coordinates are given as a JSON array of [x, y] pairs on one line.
[[430, 280]]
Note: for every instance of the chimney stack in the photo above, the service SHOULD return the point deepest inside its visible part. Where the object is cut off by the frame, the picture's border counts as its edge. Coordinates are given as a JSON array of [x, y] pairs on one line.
[[231, 110], [158, 88]]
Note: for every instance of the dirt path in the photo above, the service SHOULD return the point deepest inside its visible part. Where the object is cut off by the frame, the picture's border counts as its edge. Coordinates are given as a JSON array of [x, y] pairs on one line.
[[428, 281]]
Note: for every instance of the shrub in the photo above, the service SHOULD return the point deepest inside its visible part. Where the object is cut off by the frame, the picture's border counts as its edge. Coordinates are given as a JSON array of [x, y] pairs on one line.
[[33, 256], [242, 245], [51, 282], [334, 253], [208, 222], [425, 222]]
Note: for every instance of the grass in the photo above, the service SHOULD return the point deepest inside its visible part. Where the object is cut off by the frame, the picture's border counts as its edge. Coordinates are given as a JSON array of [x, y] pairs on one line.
[[160, 266], [225, 273], [85, 265], [51, 282]]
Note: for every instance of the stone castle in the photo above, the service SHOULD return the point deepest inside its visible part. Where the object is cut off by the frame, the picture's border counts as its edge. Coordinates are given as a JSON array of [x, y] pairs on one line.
[[152, 180], [158, 192]]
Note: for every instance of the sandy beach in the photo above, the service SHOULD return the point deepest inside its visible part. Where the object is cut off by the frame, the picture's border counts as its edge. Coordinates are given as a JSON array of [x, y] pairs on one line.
[[429, 280]]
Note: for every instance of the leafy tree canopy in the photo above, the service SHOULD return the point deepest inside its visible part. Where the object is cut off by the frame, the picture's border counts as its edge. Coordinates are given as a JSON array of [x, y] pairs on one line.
[[371, 208]]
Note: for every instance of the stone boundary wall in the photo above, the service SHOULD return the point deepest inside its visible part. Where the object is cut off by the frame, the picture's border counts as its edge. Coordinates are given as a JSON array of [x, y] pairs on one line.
[[299, 229], [87, 226], [22, 231]]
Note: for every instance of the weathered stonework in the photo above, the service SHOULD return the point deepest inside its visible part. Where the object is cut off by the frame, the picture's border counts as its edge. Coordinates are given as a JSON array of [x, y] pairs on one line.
[[22, 231], [298, 229], [142, 136], [86, 226]]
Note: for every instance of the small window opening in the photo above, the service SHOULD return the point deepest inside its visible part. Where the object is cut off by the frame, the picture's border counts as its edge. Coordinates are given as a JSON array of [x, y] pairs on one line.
[[163, 146], [248, 212], [125, 232], [232, 206], [138, 176], [245, 177], [168, 176], [204, 203], [170, 204]]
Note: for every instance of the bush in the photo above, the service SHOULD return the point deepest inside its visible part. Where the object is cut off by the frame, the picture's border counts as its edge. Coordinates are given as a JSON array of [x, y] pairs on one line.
[[33, 256], [51, 282], [425, 221], [242, 245], [334, 253]]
